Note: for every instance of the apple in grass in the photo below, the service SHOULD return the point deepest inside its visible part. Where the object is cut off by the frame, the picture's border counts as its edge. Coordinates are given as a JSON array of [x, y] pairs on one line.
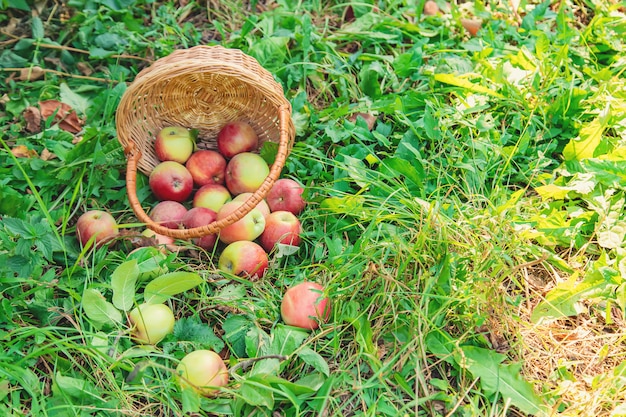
[[236, 137], [281, 227], [151, 323], [245, 173], [243, 258], [198, 217], [286, 194], [96, 224], [249, 227], [304, 306], [168, 213], [203, 370], [211, 196], [261, 205], [170, 180], [174, 143], [206, 167]]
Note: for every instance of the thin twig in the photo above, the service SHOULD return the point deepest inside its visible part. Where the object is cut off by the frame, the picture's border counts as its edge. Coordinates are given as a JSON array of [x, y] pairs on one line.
[[62, 74]]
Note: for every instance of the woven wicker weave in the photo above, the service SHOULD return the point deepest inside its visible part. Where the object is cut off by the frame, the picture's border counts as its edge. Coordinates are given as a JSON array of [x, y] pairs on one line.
[[204, 88]]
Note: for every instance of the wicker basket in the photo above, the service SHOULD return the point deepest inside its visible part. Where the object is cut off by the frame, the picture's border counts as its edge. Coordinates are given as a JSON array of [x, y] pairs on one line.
[[203, 87]]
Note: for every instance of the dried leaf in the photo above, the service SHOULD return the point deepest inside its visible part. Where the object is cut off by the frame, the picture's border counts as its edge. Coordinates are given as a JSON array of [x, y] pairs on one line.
[[369, 119], [84, 69], [32, 116], [21, 151], [31, 74], [64, 116], [46, 155], [349, 15]]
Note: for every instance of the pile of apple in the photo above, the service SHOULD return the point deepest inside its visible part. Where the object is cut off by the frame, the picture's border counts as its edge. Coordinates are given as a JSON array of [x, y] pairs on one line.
[[198, 186]]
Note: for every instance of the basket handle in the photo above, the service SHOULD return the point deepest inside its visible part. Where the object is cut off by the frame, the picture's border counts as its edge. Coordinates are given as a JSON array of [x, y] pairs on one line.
[[134, 155]]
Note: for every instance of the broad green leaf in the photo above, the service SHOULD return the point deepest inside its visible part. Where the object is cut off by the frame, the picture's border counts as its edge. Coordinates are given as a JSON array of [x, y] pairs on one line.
[[466, 84], [300, 387], [123, 282], [311, 357], [590, 136], [99, 309], [191, 400], [255, 391], [503, 379], [162, 288], [149, 261], [77, 102], [235, 328]]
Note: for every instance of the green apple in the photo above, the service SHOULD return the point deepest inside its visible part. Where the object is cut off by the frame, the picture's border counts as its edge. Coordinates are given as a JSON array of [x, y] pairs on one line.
[[245, 173], [174, 143], [202, 370], [211, 196], [151, 323]]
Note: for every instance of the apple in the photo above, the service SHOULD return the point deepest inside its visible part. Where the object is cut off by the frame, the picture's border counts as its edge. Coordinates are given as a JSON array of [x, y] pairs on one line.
[[197, 217], [211, 196], [431, 8], [170, 180], [245, 173], [168, 213], [281, 227], [97, 224], [243, 258], [151, 323], [249, 227], [174, 143], [203, 370], [305, 306], [261, 205], [206, 167], [165, 242], [286, 194], [235, 138]]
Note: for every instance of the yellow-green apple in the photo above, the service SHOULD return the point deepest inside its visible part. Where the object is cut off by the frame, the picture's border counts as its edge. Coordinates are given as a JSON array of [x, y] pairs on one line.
[[211, 196], [305, 306], [151, 323], [170, 180], [243, 258], [168, 213], [245, 172], [97, 224], [203, 370], [286, 194], [236, 137], [261, 205], [249, 227], [206, 167], [281, 227], [197, 217], [174, 143]]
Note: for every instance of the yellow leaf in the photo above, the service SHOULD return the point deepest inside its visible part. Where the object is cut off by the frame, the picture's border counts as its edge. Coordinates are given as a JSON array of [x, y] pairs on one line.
[[552, 191], [467, 84]]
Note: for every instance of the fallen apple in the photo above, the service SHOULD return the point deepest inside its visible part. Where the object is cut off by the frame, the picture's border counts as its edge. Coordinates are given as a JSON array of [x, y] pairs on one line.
[[151, 323], [174, 143], [280, 227], [168, 213], [211, 196], [235, 138], [96, 224], [286, 194], [304, 306], [203, 370], [170, 180], [249, 227], [206, 167], [198, 217], [243, 258], [245, 173]]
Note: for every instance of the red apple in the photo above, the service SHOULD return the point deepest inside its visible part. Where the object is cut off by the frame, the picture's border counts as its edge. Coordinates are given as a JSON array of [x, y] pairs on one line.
[[97, 224], [261, 205], [243, 258], [281, 227], [151, 323], [235, 138], [174, 143], [202, 370], [197, 217], [211, 196], [249, 227], [245, 173], [286, 194], [206, 167], [305, 306], [431, 8], [168, 213], [170, 180]]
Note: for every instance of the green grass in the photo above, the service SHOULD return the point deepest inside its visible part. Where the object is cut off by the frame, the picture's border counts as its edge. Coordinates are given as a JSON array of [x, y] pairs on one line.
[[470, 242]]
